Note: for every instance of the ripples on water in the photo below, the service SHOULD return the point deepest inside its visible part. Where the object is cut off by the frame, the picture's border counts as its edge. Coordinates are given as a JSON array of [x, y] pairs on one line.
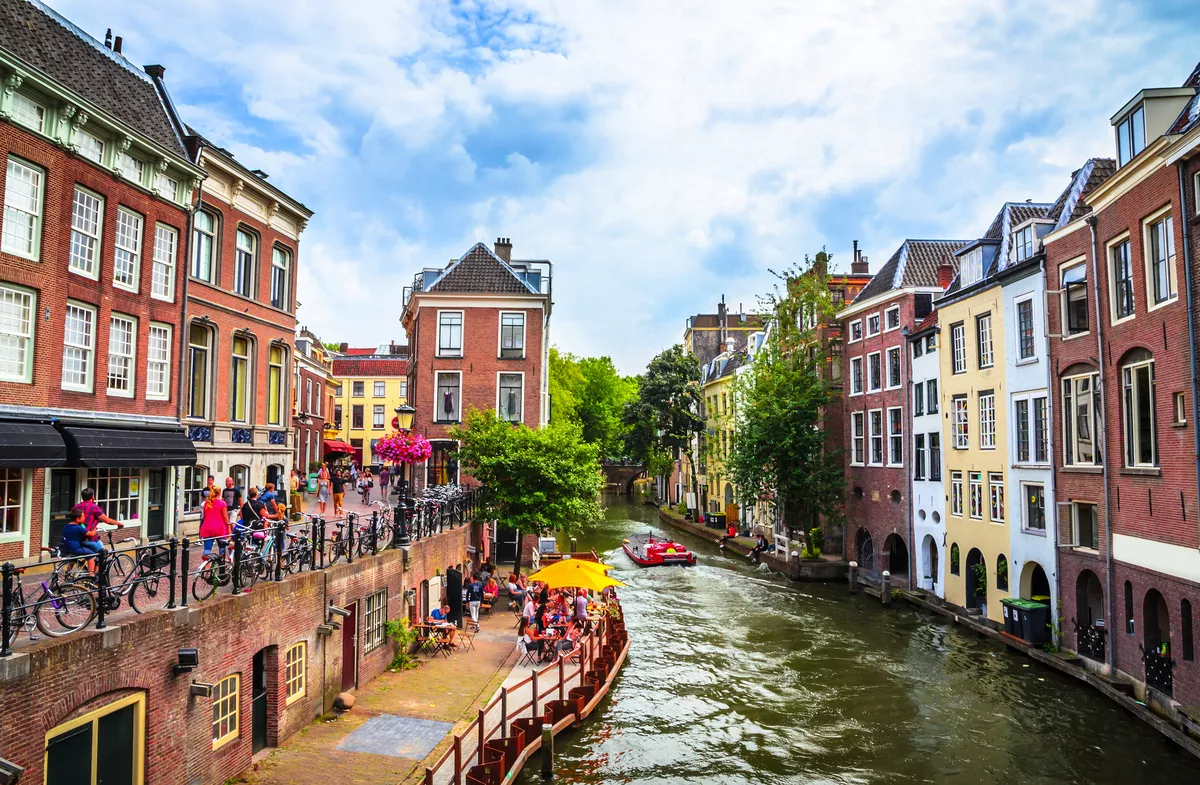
[[738, 676]]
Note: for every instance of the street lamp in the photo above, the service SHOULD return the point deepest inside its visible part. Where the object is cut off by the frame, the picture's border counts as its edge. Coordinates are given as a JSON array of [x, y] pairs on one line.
[[403, 422]]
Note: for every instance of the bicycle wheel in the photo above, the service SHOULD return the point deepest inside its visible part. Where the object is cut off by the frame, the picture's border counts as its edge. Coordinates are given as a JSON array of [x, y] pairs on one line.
[[70, 609], [120, 567], [207, 580], [296, 556], [149, 592]]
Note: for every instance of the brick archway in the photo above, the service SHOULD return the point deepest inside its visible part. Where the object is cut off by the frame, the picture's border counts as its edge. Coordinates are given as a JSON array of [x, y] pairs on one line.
[[85, 691]]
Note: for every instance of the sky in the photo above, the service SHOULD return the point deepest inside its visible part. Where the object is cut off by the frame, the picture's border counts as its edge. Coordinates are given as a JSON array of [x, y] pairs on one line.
[[662, 154]]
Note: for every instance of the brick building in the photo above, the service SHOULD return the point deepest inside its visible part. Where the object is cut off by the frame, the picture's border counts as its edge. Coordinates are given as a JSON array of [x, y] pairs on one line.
[[312, 398], [369, 384], [874, 393], [241, 324], [97, 185]]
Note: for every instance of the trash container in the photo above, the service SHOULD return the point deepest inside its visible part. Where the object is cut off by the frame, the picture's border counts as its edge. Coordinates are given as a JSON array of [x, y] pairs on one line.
[[1012, 616], [715, 520], [1026, 619]]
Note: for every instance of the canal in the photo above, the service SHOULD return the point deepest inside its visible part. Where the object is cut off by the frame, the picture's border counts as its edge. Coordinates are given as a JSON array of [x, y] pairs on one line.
[[740, 676]]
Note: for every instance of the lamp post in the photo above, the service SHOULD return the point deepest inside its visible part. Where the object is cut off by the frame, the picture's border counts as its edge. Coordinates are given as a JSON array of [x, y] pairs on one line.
[[404, 420]]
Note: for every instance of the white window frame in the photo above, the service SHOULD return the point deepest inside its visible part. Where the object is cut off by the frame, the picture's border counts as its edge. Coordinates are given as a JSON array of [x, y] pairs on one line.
[[82, 235], [521, 418], [984, 343], [858, 439], [857, 362], [118, 353], [376, 391], [281, 274], [1070, 416], [1024, 243], [89, 146], [971, 267], [378, 415], [245, 260], [500, 334], [895, 309], [167, 186], [194, 248], [895, 442], [987, 420], [21, 501], [128, 218], [160, 363], [960, 421], [856, 326], [166, 253], [878, 321], [374, 616], [956, 493], [451, 352], [295, 669], [958, 347], [1110, 266], [878, 385], [932, 399], [89, 348], [873, 435], [1025, 523], [18, 308], [437, 405], [1131, 428], [14, 212], [1065, 302], [28, 112], [1023, 358], [1163, 216], [995, 482], [975, 483], [129, 164], [898, 361]]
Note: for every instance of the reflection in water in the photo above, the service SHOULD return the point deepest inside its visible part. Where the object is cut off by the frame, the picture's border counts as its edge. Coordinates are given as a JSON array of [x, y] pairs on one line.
[[740, 676]]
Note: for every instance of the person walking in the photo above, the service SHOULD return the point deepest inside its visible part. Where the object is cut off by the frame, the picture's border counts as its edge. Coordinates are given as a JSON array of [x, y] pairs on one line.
[[232, 496], [323, 490], [214, 525], [295, 502], [368, 484], [338, 484], [384, 476], [474, 599]]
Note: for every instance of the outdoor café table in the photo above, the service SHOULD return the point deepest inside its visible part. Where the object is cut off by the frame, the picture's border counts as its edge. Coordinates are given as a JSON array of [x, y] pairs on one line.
[[437, 638]]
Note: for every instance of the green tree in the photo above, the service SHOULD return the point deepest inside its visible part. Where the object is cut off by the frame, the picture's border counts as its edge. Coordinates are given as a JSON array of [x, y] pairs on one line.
[[663, 417], [589, 392], [566, 382], [779, 450], [537, 480], [333, 347]]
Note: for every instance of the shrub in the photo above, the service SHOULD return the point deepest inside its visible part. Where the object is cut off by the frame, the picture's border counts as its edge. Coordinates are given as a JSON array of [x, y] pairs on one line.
[[404, 636]]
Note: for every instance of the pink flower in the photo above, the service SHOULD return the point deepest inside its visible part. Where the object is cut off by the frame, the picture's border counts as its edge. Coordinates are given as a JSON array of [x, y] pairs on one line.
[[403, 447]]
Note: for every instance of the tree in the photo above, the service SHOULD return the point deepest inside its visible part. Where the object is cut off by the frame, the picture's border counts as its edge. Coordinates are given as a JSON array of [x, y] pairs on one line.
[[536, 481], [333, 347], [589, 392], [779, 451], [661, 420]]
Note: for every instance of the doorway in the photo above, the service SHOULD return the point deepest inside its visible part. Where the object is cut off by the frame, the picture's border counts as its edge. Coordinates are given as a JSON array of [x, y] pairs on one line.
[[156, 504], [258, 703], [350, 648], [507, 541], [63, 497], [930, 578], [897, 556], [976, 579]]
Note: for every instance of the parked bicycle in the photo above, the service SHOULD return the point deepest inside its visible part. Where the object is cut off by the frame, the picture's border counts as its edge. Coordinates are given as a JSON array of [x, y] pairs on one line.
[[216, 569], [59, 609]]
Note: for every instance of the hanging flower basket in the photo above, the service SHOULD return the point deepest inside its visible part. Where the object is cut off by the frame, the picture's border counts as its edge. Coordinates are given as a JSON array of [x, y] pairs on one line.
[[403, 447]]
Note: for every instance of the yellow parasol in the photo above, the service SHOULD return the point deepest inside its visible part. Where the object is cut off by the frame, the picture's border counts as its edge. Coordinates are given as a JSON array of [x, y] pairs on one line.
[[599, 567], [574, 573]]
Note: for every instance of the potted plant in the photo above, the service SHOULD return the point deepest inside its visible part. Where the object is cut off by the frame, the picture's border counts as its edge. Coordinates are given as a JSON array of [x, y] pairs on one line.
[[980, 571]]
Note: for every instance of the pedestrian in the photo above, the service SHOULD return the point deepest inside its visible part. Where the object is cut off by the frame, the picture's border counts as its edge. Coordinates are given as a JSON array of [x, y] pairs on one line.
[[353, 471], [214, 525], [254, 514], [581, 603], [322, 490], [337, 484], [271, 503], [232, 496], [384, 476], [75, 540], [368, 484], [294, 499], [474, 599]]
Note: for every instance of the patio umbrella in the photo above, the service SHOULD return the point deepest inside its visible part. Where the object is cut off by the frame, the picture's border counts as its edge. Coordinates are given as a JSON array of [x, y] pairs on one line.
[[599, 567], [571, 573]]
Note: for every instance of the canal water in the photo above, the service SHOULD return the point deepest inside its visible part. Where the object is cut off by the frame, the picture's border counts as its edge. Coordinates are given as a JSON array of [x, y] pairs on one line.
[[737, 675]]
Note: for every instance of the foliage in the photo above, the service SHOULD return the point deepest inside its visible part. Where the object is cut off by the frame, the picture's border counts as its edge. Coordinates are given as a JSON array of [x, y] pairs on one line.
[[537, 480], [403, 447], [954, 555], [815, 543], [315, 466], [333, 347], [681, 508], [589, 392], [662, 418], [404, 635], [780, 448], [980, 571]]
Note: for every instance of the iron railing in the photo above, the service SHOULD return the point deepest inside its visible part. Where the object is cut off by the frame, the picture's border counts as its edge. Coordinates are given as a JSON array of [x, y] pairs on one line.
[[1159, 671], [1090, 641]]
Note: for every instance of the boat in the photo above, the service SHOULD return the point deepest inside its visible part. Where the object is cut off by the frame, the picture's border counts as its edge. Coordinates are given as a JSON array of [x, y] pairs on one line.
[[651, 550]]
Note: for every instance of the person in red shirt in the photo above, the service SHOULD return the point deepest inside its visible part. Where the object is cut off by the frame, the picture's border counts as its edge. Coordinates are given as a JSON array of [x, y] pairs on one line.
[[93, 514]]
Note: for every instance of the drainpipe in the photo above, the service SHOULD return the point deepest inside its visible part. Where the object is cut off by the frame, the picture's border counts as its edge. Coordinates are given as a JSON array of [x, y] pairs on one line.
[[1111, 649], [908, 470], [1191, 314]]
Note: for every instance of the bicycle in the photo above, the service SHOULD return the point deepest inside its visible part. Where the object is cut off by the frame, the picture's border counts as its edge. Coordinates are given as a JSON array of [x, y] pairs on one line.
[[60, 609], [382, 530], [216, 569], [299, 551]]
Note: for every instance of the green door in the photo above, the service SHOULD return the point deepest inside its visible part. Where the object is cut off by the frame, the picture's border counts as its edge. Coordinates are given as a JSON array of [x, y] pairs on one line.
[[156, 504]]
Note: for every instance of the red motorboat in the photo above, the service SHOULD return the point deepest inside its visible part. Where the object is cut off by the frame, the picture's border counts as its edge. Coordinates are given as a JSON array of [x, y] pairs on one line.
[[650, 550]]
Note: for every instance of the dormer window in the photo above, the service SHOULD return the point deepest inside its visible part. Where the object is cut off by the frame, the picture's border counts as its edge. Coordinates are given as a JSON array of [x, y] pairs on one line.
[[972, 267], [1024, 242], [1131, 135], [89, 146]]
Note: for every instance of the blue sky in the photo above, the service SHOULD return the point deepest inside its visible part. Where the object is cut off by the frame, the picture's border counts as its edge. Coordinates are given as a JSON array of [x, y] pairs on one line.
[[661, 154]]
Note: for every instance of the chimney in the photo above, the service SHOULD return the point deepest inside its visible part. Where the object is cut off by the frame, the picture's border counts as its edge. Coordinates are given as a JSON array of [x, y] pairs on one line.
[[117, 44], [504, 249], [155, 71], [108, 38], [859, 265], [722, 324], [343, 347], [945, 275]]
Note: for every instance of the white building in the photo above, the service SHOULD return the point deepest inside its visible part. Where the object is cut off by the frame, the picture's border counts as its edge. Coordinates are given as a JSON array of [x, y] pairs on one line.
[[928, 496]]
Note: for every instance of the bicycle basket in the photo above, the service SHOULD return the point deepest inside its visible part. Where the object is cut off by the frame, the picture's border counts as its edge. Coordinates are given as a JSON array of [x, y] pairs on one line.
[[156, 559]]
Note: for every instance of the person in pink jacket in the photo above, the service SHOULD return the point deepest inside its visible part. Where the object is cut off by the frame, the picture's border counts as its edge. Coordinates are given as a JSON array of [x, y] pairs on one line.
[[214, 526]]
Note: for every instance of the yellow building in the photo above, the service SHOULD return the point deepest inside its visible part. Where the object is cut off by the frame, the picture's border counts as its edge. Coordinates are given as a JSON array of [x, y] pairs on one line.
[[717, 393], [369, 385], [971, 319]]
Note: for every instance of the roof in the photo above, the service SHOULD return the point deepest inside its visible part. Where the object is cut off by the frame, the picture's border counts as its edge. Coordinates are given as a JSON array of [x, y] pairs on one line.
[[1070, 204], [1190, 116], [753, 321], [370, 366], [480, 270], [197, 140], [722, 366], [915, 263], [929, 321], [47, 42]]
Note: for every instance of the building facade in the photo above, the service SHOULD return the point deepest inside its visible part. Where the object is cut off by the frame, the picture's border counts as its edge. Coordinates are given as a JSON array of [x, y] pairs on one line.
[[718, 494], [928, 495], [369, 384], [312, 399]]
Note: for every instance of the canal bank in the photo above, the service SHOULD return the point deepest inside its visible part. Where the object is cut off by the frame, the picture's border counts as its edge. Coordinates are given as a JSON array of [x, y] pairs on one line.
[[742, 676]]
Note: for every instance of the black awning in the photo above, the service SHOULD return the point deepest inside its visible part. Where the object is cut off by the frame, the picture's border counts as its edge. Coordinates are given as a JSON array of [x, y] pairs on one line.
[[27, 445], [126, 448]]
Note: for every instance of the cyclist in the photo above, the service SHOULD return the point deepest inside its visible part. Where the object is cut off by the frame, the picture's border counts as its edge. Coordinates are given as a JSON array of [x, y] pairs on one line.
[[214, 526], [93, 514], [74, 535]]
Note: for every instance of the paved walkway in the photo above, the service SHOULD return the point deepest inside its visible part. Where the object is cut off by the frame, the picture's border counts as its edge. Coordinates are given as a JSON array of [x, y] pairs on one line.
[[445, 689]]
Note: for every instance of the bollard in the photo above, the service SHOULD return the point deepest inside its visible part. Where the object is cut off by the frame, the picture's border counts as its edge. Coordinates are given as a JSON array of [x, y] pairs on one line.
[[482, 736], [280, 529], [184, 567], [547, 753], [173, 548], [885, 588], [237, 562], [533, 708], [351, 522], [319, 545], [101, 587], [374, 532], [852, 573], [8, 571]]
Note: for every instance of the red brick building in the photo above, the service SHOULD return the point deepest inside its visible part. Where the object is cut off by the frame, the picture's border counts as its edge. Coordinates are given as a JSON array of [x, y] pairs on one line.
[[97, 185], [312, 399], [875, 382]]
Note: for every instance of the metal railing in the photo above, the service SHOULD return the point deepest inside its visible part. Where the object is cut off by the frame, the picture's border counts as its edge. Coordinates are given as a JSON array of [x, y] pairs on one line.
[[1090, 641]]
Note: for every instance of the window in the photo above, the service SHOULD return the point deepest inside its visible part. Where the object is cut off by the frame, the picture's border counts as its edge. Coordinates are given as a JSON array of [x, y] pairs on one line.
[[930, 343], [294, 663], [78, 345], [987, 420], [856, 375], [971, 268], [956, 493], [195, 482], [448, 399], [1022, 241], [976, 485], [919, 457], [892, 318], [122, 348], [1131, 135], [281, 263], [16, 333], [131, 168], [1177, 399], [275, 385], [358, 389], [895, 436], [1185, 623], [876, 437], [89, 146], [1085, 525], [374, 615], [1075, 298], [225, 699], [872, 325], [356, 416], [337, 415], [337, 390], [404, 389], [958, 348], [512, 335], [87, 214], [162, 275], [874, 372], [166, 186], [918, 399], [1041, 435], [128, 252], [931, 396], [983, 333], [935, 456], [1081, 420], [856, 331], [1035, 506], [243, 263], [857, 439], [23, 196], [28, 112], [450, 330], [960, 422], [954, 558], [1025, 342], [239, 383], [12, 501], [204, 235], [377, 417], [893, 367], [1021, 424], [1141, 447], [116, 492], [1160, 262], [1122, 280], [510, 396], [918, 348], [105, 745], [996, 495], [1002, 572], [198, 356]]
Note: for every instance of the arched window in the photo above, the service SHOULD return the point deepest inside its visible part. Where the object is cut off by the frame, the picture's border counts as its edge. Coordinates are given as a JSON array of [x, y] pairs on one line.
[[1002, 572], [239, 380], [244, 263], [954, 559], [275, 377], [1081, 416], [241, 477], [199, 360], [204, 246], [281, 275], [1138, 408]]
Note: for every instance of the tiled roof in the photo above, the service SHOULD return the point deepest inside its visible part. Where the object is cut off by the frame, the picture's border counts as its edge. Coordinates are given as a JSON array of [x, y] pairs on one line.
[[1191, 111], [1070, 204], [480, 270], [42, 39], [929, 321], [915, 263], [752, 321], [369, 366]]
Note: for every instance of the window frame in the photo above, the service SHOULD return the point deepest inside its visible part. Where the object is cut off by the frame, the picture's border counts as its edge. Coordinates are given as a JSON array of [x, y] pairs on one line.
[[919, 457], [1069, 422], [860, 388], [295, 672], [247, 257], [857, 323], [1022, 335], [34, 254], [374, 619], [131, 357], [958, 348], [30, 339], [975, 482], [878, 381], [875, 317], [281, 275], [935, 456], [451, 351], [248, 394], [1126, 151], [193, 349], [358, 417], [919, 399], [985, 347], [135, 254], [376, 392], [436, 386], [138, 748], [500, 348], [1115, 316], [987, 425], [894, 367], [378, 416], [1159, 218], [78, 134], [19, 117], [161, 327], [1131, 430], [276, 376], [887, 318], [1026, 507], [1068, 331], [230, 697], [499, 388], [213, 243], [1024, 243], [358, 388], [1022, 432], [90, 363], [895, 437], [932, 400], [873, 436], [92, 272], [858, 438], [170, 266], [960, 421], [957, 495], [1094, 543], [971, 267], [996, 500]]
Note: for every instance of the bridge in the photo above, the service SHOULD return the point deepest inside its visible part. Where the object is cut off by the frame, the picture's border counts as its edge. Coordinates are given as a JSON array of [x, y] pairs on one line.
[[620, 476]]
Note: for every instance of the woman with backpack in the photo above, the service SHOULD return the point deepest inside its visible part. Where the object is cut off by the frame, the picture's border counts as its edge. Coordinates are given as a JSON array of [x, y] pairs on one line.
[[368, 482]]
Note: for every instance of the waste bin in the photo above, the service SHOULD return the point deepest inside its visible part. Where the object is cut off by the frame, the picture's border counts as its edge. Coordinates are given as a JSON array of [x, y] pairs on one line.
[[715, 520], [1012, 616], [1028, 619]]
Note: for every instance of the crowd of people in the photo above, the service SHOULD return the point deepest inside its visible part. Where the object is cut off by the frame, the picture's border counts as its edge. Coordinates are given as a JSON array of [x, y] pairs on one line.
[[334, 481], [552, 621], [229, 509]]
